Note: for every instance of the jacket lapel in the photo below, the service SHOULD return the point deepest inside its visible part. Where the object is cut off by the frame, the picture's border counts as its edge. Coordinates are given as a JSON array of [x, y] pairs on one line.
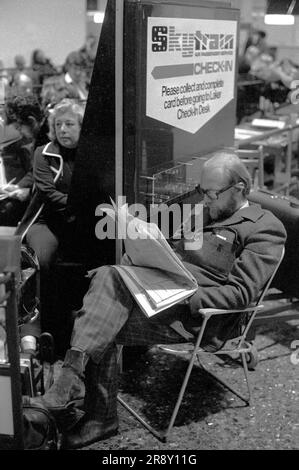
[[51, 150]]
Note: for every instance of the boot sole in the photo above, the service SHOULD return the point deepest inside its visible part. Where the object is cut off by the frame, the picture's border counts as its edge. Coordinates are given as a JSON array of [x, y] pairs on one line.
[[106, 435]]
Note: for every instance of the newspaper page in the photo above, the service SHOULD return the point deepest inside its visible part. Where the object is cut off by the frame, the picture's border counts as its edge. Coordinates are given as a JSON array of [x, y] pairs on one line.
[[154, 290], [157, 278]]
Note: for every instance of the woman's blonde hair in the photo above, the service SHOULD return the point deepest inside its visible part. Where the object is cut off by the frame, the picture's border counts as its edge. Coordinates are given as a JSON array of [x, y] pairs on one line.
[[62, 107]]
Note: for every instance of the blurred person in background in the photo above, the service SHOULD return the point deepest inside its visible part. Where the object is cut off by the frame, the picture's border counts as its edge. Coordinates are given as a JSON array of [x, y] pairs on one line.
[[21, 82], [257, 38], [4, 75], [20, 63], [54, 89], [247, 59], [21, 85], [42, 68], [287, 72], [75, 74], [278, 77], [88, 55]]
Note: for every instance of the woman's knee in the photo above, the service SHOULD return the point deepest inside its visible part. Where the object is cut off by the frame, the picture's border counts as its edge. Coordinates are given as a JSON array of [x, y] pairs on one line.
[[44, 255], [44, 243]]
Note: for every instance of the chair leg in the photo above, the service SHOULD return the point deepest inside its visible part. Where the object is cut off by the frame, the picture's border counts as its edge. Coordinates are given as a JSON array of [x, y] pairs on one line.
[[226, 385], [163, 436], [245, 368], [181, 394], [160, 435]]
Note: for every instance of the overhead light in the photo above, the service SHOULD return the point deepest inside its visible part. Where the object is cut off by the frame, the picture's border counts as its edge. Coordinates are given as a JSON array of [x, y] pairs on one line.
[[281, 12], [98, 17], [279, 20]]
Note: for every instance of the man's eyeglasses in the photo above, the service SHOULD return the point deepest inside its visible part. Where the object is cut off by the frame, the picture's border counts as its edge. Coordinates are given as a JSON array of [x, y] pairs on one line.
[[213, 193]]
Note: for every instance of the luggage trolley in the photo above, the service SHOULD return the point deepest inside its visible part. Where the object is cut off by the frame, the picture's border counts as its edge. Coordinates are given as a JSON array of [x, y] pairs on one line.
[[18, 375]]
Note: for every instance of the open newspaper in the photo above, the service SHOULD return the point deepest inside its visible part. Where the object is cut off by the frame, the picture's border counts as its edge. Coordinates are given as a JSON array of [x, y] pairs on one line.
[[3, 182], [156, 278]]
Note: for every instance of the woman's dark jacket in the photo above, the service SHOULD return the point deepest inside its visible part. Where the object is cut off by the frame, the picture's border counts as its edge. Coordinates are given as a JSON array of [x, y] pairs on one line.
[[52, 172]]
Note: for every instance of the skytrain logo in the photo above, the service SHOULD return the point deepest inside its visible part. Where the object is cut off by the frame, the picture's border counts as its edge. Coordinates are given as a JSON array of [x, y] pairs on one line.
[[167, 39]]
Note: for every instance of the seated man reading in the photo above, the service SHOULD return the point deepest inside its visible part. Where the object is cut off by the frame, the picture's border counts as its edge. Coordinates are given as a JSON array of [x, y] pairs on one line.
[[230, 275]]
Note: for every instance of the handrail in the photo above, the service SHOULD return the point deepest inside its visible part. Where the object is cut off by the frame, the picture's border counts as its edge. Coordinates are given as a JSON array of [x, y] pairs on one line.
[[264, 134]]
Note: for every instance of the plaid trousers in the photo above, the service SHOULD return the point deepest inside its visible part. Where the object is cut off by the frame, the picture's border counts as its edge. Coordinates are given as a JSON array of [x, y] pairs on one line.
[[110, 314]]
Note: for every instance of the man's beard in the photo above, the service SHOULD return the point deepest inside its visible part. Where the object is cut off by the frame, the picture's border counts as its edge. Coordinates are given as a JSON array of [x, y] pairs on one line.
[[224, 213]]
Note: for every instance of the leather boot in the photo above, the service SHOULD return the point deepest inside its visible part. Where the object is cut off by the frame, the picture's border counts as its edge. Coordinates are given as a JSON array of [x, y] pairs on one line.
[[100, 405], [69, 388]]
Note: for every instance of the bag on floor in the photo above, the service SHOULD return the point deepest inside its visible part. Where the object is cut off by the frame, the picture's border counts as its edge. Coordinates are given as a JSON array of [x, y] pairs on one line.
[[28, 291], [40, 430]]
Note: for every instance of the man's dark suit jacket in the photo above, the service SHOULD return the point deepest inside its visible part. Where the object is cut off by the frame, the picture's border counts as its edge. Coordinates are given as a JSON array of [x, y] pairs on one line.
[[237, 258]]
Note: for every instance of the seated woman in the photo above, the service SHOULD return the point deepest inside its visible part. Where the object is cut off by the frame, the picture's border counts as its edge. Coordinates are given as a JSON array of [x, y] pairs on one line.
[[52, 229]]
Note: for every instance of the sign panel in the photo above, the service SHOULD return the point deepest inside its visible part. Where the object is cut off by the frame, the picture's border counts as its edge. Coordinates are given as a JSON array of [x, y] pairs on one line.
[[6, 412], [190, 70]]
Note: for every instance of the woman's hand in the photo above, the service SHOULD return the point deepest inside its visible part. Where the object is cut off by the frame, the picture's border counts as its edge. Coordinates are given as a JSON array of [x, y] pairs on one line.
[[8, 188], [22, 194]]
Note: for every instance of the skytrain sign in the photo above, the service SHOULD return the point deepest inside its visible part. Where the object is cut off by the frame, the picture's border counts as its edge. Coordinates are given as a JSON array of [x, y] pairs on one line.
[[190, 70]]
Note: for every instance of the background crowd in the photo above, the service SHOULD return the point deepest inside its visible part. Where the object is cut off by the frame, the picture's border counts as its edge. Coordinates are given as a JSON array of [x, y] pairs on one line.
[[42, 76], [264, 82]]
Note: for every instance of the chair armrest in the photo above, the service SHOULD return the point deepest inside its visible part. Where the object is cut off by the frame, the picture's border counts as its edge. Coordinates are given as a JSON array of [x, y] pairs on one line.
[[218, 311]]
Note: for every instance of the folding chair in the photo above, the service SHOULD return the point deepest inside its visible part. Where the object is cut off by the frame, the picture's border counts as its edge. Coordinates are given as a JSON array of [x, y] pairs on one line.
[[237, 346]]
